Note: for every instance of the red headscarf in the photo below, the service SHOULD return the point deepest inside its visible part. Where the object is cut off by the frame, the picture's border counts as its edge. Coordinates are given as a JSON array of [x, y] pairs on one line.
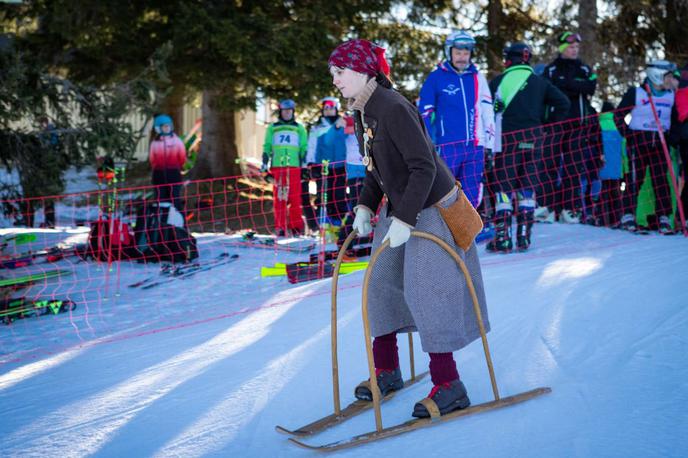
[[361, 56]]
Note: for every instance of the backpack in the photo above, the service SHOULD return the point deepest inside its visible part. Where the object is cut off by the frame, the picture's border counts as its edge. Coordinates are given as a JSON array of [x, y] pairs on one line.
[[160, 234], [109, 240]]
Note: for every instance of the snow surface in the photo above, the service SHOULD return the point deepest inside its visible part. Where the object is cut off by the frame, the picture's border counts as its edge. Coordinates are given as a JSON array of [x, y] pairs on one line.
[[208, 367]]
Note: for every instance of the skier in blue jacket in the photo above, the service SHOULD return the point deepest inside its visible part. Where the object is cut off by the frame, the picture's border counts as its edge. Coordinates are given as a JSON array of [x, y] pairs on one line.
[[456, 105]]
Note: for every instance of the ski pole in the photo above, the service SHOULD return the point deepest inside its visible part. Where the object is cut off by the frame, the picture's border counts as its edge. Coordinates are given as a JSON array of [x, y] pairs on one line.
[[323, 218], [670, 165]]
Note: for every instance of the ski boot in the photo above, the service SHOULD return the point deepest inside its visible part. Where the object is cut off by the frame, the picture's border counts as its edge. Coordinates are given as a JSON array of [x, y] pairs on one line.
[[665, 226], [502, 241], [628, 223], [569, 217], [446, 398], [387, 381], [525, 224], [592, 220], [544, 215]]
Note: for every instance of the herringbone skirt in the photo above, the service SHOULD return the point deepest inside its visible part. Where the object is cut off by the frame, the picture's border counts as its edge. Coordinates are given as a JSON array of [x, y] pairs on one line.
[[419, 287]]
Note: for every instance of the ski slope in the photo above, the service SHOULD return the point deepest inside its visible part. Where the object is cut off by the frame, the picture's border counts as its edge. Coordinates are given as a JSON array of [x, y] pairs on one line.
[[208, 367]]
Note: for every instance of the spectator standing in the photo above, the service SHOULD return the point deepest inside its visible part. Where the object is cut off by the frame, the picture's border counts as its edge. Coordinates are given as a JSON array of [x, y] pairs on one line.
[[355, 174], [167, 156], [520, 100], [329, 106], [608, 209], [578, 160], [644, 144], [331, 150], [456, 105], [284, 151], [680, 131]]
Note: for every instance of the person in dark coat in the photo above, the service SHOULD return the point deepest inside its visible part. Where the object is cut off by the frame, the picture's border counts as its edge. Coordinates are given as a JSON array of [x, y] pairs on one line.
[[418, 286], [679, 126], [521, 102], [578, 155]]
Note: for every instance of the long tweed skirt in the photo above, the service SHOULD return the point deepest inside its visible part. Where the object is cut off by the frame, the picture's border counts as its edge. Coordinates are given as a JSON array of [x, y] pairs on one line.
[[419, 287]]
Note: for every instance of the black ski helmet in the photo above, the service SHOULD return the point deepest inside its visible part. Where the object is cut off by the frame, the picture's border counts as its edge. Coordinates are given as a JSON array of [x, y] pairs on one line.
[[517, 53]]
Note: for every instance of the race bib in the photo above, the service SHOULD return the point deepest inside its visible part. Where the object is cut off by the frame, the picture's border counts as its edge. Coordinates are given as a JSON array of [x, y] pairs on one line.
[[285, 138]]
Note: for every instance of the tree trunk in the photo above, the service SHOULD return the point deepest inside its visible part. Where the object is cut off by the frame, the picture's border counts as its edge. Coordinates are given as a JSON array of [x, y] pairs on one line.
[[587, 27], [495, 40], [173, 106], [218, 154], [674, 31]]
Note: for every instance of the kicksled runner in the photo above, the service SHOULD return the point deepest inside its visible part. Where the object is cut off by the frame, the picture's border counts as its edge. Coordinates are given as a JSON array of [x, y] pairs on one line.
[[341, 415]]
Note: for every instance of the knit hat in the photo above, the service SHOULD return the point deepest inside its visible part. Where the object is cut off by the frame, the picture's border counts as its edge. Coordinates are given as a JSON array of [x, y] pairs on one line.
[[361, 56]]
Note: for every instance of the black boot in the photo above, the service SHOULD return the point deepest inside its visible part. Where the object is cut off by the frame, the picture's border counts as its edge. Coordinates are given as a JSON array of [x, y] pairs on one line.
[[525, 224], [447, 397], [387, 381], [502, 242]]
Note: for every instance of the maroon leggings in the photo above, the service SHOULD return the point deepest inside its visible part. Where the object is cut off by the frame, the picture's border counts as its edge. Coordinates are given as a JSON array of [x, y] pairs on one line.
[[386, 357]]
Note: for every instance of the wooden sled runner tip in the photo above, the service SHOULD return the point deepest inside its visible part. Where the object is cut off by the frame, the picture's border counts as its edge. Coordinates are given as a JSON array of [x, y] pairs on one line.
[[283, 430], [419, 423], [348, 412]]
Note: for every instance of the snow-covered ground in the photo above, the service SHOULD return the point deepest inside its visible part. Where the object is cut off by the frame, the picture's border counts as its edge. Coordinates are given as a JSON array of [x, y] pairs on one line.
[[209, 365]]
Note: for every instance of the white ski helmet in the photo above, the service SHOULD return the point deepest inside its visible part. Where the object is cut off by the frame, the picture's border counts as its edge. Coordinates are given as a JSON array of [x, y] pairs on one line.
[[657, 69], [458, 40]]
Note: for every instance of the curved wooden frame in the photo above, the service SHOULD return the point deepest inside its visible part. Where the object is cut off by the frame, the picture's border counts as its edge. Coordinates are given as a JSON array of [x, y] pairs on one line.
[[366, 322]]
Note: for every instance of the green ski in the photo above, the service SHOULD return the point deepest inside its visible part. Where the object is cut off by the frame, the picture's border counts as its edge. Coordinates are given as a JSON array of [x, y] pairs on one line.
[[33, 277]]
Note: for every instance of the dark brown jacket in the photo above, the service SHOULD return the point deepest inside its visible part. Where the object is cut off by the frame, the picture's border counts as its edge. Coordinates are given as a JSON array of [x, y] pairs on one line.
[[406, 166]]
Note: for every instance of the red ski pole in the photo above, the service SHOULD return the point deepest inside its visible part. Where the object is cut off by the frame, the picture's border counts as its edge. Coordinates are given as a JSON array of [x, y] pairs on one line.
[[667, 156]]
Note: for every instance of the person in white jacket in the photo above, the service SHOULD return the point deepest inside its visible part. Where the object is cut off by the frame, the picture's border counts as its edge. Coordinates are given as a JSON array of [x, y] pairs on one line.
[[456, 105]]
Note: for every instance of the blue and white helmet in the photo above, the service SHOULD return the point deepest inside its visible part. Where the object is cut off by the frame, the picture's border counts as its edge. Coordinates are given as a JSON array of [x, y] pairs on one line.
[[458, 40], [160, 121]]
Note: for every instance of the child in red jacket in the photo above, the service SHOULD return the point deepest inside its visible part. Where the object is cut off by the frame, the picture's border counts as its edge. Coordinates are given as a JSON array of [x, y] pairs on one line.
[[167, 157]]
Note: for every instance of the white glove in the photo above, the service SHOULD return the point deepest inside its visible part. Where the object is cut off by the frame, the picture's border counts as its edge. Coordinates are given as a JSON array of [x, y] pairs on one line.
[[398, 233], [362, 221]]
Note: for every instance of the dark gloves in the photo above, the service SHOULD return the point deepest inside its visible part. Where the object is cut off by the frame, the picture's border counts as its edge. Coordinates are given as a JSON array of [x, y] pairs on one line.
[[266, 159]]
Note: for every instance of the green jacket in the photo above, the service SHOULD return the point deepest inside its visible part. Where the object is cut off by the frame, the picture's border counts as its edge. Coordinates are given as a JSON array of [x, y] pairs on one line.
[[285, 144]]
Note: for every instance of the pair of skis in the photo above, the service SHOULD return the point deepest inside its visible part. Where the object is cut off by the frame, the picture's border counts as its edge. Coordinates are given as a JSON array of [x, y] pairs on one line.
[[355, 408], [253, 240], [171, 272], [303, 271], [28, 279], [359, 407], [21, 307], [47, 255]]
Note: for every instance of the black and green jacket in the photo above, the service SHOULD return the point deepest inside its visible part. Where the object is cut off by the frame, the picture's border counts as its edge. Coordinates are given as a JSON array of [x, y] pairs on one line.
[[577, 81], [525, 99]]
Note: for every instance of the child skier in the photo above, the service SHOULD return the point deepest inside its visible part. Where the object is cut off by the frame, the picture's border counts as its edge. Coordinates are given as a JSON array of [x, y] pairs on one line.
[[284, 151]]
